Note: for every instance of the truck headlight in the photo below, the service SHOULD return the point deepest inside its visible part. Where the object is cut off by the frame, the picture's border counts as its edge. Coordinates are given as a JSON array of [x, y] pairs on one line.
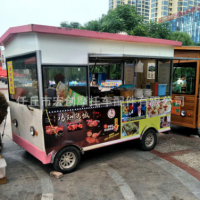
[[32, 130], [15, 123], [183, 113]]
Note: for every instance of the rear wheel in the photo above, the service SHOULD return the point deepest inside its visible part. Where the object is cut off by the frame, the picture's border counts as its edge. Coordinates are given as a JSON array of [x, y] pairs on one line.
[[67, 160], [198, 131], [149, 140]]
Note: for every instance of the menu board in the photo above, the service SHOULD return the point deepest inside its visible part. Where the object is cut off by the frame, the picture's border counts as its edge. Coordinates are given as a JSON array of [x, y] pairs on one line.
[[151, 71], [112, 83], [129, 74]]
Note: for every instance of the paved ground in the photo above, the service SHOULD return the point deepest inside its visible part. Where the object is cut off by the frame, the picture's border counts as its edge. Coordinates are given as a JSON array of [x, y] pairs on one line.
[[170, 172]]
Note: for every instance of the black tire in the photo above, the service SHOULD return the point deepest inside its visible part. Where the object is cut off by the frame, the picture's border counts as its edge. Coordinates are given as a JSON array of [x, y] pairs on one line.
[[59, 165], [166, 132], [143, 143], [197, 131]]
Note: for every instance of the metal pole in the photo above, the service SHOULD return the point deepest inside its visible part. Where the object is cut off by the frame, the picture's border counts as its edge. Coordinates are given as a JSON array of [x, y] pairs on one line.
[[156, 72], [40, 82], [171, 77]]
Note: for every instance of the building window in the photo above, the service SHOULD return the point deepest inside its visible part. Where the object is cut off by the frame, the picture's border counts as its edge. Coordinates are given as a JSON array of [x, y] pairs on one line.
[[179, 3], [164, 8], [164, 13], [180, 8], [165, 3]]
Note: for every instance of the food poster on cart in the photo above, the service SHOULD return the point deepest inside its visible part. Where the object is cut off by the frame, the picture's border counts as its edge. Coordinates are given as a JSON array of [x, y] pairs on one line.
[[165, 122], [133, 110], [138, 116], [158, 107], [132, 114], [82, 127]]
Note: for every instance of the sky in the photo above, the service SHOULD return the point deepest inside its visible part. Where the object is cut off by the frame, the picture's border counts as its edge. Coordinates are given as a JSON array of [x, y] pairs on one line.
[[49, 12]]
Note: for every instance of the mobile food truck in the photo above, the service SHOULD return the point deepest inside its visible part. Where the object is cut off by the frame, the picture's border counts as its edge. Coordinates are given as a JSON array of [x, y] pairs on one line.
[[185, 88], [53, 111]]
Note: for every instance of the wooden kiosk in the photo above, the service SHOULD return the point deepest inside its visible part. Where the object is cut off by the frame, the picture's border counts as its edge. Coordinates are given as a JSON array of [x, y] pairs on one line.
[[185, 87]]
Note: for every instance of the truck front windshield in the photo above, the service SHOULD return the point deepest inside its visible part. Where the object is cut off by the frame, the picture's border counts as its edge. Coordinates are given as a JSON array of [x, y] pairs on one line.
[[23, 80]]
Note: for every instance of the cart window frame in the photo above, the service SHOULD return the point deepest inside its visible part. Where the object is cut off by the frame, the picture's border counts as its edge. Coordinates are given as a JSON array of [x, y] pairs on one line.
[[24, 56], [185, 64], [67, 65]]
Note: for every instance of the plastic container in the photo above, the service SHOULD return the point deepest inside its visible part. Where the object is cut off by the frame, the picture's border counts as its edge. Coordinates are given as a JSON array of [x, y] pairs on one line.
[[127, 86], [162, 89], [2, 168]]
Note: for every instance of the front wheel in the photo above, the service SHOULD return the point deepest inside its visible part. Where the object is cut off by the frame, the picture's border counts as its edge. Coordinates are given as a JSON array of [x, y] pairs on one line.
[[67, 160], [149, 140]]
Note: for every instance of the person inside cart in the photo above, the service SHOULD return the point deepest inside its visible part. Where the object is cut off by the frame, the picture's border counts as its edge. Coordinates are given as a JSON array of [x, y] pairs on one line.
[[61, 90]]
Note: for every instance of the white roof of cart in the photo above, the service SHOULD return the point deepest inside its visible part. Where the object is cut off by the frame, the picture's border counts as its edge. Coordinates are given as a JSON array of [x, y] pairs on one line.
[[75, 47], [11, 32]]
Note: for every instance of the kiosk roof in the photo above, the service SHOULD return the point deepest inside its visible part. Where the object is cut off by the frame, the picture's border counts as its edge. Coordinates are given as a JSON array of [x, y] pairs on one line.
[[11, 32]]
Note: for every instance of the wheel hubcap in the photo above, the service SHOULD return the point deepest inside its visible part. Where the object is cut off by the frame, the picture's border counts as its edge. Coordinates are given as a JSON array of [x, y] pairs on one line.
[[67, 160], [149, 141]]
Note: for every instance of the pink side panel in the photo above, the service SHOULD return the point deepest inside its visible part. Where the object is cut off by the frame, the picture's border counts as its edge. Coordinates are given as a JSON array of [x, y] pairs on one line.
[[35, 151]]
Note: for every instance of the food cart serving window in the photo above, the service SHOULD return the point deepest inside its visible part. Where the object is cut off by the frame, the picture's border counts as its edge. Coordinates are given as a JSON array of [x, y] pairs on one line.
[[22, 74], [110, 89], [65, 85]]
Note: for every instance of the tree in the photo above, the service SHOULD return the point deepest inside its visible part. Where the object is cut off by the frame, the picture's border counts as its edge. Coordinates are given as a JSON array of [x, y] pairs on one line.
[[125, 18], [158, 30], [93, 25], [183, 37], [72, 25]]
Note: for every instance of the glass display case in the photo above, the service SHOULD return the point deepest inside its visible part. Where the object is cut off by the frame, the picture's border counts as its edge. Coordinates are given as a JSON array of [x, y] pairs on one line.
[[184, 78]]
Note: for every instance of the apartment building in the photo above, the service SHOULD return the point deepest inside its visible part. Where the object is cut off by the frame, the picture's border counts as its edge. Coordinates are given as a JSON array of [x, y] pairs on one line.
[[155, 9]]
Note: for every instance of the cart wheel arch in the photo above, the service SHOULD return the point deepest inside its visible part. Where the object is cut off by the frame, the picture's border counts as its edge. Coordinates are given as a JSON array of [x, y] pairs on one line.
[[148, 127], [76, 146]]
